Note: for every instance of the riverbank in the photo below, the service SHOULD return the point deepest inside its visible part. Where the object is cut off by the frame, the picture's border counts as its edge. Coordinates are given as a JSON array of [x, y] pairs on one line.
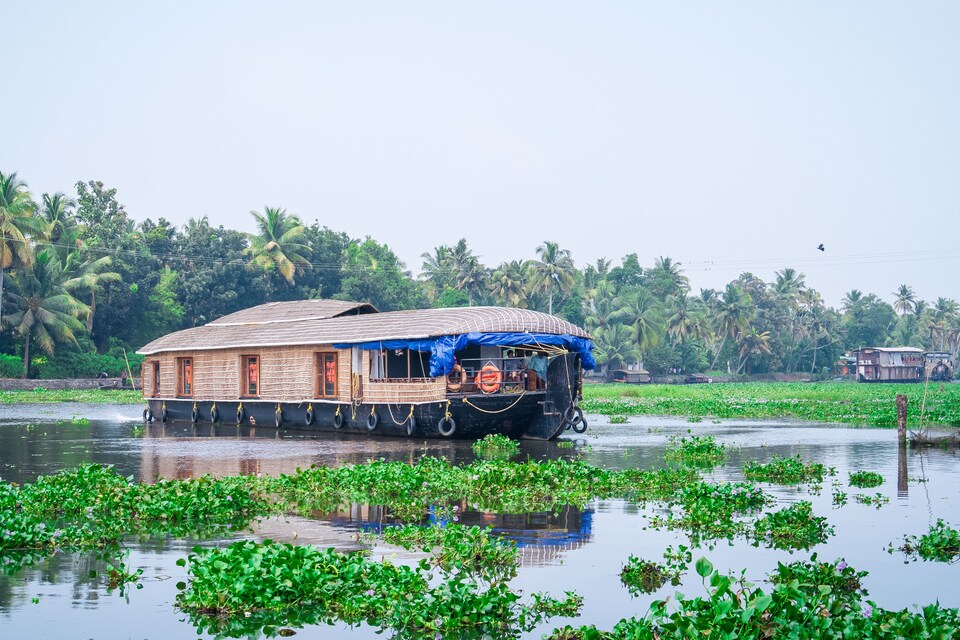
[[87, 396], [842, 402]]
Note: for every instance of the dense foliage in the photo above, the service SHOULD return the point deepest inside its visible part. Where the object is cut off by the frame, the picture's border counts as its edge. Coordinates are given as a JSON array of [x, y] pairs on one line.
[[81, 275]]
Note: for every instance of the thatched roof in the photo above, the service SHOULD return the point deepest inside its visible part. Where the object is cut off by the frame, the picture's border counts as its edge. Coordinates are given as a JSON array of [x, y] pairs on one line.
[[262, 330], [293, 311]]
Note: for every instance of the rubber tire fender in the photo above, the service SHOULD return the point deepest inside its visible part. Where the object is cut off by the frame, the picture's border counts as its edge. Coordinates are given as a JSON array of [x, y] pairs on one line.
[[309, 417], [164, 415], [372, 421], [411, 425], [447, 426], [337, 420], [147, 415], [214, 414], [241, 414], [195, 415], [580, 425], [278, 418]]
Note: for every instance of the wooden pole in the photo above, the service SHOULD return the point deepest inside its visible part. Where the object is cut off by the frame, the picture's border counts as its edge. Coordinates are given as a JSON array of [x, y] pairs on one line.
[[902, 418], [902, 470], [130, 373]]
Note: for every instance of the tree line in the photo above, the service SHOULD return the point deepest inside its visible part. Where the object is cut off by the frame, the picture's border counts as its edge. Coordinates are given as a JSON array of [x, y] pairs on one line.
[[82, 282]]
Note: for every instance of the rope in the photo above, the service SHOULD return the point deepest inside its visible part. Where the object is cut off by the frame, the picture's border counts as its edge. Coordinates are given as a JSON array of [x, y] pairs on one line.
[[448, 415], [923, 407], [923, 403], [402, 422], [467, 401]]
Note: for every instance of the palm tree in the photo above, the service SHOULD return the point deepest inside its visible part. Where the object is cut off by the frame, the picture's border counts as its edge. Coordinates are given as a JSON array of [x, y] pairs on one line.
[[789, 285], [615, 346], [436, 269], [43, 309], [751, 344], [508, 283], [601, 304], [17, 222], [594, 274], [669, 276], [687, 319], [906, 299], [944, 310], [278, 244], [733, 316], [639, 310], [88, 275], [57, 212], [554, 269], [469, 273], [851, 299]]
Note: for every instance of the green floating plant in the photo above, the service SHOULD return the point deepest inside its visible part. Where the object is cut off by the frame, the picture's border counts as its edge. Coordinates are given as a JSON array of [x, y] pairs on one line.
[[247, 586], [785, 471], [940, 544], [496, 445], [808, 600], [793, 527], [698, 451], [865, 479]]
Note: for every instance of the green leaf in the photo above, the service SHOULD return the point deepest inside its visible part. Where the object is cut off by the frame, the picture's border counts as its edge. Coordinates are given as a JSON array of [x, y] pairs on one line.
[[704, 567]]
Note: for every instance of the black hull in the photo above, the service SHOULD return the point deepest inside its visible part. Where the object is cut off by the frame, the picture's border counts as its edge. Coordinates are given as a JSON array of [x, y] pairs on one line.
[[469, 416], [534, 414]]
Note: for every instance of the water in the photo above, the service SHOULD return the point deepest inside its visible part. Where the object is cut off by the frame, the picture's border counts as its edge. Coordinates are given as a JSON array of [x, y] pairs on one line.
[[573, 550]]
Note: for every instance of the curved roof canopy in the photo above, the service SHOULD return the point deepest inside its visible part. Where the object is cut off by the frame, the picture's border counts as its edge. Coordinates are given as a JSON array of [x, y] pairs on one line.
[[321, 322]]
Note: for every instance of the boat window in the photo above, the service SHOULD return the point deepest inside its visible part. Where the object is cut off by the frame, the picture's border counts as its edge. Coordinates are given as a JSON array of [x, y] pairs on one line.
[[185, 377], [154, 379], [397, 365], [250, 376], [327, 375]]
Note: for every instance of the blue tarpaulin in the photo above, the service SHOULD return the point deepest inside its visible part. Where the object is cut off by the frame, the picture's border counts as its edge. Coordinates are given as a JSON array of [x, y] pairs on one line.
[[443, 348]]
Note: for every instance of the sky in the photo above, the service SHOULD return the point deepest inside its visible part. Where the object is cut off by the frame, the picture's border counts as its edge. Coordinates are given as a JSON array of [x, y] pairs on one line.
[[731, 136]]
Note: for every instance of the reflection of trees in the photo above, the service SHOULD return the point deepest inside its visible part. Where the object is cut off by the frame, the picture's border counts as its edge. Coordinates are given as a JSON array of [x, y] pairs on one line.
[[22, 573]]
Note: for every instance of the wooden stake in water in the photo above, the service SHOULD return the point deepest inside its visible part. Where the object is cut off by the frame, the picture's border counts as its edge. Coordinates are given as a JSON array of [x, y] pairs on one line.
[[902, 418]]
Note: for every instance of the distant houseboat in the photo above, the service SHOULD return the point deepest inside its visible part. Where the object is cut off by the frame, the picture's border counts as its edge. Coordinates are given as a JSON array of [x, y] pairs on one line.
[[336, 365], [890, 364], [631, 376]]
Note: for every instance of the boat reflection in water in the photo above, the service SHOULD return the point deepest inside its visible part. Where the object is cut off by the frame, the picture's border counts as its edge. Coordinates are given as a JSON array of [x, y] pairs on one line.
[[184, 451]]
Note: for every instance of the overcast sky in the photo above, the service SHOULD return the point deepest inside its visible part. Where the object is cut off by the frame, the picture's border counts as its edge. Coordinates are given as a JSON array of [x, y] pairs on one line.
[[731, 136]]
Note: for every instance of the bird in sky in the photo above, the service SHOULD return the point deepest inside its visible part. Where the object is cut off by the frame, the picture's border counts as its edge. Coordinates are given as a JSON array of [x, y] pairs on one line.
[[821, 247]]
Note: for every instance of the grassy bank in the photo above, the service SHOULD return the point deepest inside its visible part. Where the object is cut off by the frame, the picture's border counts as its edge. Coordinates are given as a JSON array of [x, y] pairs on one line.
[[868, 404], [89, 396]]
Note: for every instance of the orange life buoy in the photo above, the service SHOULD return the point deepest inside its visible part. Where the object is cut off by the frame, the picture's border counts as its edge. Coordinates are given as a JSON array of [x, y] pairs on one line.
[[456, 378], [490, 378]]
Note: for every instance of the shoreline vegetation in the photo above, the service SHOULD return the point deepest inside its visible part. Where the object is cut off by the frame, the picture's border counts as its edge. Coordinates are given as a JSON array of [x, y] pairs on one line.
[[872, 405], [83, 396], [837, 402]]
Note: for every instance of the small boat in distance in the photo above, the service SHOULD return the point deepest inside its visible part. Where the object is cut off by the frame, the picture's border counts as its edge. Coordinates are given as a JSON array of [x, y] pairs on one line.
[[338, 365]]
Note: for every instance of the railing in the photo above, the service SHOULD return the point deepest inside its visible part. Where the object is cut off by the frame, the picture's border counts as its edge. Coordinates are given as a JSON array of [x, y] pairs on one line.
[[494, 375]]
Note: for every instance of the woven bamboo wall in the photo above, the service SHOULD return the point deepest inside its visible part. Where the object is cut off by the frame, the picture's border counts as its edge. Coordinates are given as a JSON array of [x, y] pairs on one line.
[[403, 392], [287, 374]]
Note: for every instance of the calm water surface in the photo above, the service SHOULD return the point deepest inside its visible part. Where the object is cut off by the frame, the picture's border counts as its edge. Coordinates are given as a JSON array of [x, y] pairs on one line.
[[573, 550]]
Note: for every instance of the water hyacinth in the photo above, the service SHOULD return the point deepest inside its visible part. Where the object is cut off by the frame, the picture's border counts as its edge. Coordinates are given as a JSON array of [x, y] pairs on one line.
[[808, 600]]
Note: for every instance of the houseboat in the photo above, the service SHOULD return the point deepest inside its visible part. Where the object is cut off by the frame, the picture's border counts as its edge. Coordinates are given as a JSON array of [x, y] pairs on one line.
[[337, 365], [890, 364]]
